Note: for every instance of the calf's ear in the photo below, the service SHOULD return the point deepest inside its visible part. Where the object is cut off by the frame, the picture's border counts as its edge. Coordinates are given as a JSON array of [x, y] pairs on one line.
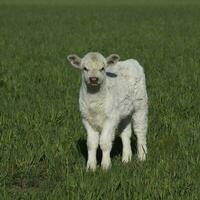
[[112, 59], [74, 60]]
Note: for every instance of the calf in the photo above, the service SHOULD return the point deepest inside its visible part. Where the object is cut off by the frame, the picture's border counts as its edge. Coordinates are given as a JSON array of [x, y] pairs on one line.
[[112, 97]]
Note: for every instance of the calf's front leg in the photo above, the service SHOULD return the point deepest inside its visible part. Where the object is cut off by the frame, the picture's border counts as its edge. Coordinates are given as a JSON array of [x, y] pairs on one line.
[[106, 140], [126, 141], [92, 145]]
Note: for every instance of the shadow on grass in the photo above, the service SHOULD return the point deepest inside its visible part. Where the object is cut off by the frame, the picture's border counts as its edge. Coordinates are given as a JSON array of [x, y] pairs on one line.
[[116, 148]]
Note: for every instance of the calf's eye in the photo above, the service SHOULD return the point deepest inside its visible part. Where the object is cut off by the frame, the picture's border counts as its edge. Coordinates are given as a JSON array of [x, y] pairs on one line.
[[102, 69], [85, 69]]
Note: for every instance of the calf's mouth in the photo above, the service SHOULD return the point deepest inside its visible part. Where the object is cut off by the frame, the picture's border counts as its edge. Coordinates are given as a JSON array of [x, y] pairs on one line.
[[94, 83]]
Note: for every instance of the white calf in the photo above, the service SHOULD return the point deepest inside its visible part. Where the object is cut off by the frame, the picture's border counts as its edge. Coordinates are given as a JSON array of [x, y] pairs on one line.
[[112, 97]]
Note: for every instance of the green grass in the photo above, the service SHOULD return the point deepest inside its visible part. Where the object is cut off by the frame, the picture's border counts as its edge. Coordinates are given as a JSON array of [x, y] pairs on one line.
[[41, 135]]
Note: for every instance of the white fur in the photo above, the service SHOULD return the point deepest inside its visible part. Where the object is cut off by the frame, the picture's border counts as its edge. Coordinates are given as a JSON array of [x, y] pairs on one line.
[[119, 104]]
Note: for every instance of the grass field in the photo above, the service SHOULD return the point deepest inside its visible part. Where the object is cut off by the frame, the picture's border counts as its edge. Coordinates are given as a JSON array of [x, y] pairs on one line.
[[42, 140]]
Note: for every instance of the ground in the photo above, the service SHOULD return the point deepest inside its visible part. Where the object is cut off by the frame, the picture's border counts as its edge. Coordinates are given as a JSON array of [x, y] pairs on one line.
[[42, 140]]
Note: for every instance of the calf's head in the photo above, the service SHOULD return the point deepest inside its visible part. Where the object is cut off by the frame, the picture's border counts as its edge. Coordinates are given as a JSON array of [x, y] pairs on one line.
[[93, 66]]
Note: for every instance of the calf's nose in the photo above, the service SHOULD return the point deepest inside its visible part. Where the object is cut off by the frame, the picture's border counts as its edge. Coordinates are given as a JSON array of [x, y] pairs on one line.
[[93, 79]]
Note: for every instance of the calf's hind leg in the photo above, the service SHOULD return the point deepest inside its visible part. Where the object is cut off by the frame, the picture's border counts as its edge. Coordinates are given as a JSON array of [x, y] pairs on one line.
[[140, 130]]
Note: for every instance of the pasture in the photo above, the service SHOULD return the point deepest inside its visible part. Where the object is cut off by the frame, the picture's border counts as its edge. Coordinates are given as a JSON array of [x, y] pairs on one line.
[[42, 140]]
